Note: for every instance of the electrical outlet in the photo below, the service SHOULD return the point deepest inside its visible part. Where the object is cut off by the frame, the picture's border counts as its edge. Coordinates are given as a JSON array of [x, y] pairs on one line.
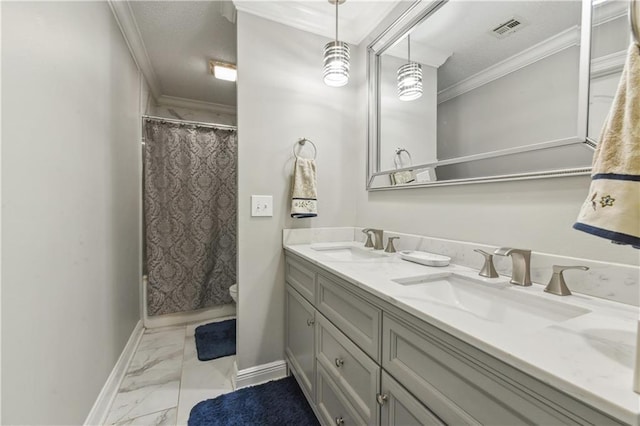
[[261, 205]]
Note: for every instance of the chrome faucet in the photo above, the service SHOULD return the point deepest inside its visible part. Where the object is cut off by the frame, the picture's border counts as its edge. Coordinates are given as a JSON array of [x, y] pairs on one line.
[[377, 234], [521, 264]]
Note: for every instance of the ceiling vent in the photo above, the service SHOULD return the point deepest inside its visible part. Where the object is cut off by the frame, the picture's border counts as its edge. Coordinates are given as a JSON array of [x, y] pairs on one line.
[[505, 29]]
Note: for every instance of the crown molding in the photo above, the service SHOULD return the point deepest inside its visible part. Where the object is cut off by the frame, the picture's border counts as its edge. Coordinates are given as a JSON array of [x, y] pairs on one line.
[[546, 48], [608, 64], [608, 11], [175, 101], [131, 33]]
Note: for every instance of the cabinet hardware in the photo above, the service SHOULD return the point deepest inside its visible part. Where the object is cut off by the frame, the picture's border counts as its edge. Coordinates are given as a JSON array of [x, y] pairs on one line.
[[382, 398], [339, 421], [310, 322], [339, 362]]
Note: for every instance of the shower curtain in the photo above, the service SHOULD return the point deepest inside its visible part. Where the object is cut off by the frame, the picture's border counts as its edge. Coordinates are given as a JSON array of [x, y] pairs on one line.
[[190, 194]]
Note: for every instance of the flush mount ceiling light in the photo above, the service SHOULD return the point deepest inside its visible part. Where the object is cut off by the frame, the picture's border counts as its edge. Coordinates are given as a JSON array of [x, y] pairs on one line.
[[223, 70], [409, 78], [336, 58]]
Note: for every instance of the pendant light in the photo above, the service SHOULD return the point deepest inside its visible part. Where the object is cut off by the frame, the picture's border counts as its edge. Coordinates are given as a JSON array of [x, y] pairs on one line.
[[409, 78], [336, 58]]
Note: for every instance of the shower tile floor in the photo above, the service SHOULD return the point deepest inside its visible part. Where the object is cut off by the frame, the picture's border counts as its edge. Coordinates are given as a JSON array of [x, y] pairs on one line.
[[165, 379]]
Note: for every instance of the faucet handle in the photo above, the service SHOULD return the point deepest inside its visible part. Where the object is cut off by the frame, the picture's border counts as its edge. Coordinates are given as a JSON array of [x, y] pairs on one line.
[[488, 270], [369, 243], [390, 248], [557, 284]]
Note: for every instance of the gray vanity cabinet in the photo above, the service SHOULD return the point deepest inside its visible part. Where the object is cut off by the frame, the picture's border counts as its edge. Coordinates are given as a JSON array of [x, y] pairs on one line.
[[300, 340], [361, 360]]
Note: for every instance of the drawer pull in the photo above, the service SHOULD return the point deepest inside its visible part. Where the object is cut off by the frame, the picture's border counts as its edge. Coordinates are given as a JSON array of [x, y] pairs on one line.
[[382, 398], [339, 362], [339, 421], [310, 322]]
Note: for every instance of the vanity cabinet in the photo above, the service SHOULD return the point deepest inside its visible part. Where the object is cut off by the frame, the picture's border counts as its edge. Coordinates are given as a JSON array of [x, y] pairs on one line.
[[361, 360]]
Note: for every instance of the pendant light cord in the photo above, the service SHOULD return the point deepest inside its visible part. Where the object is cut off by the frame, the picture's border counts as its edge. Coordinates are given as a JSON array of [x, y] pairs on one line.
[[337, 2], [409, 48]]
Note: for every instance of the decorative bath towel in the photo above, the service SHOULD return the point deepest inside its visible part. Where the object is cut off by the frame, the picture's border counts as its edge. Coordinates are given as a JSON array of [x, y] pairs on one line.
[[304, 196], [612, 208]]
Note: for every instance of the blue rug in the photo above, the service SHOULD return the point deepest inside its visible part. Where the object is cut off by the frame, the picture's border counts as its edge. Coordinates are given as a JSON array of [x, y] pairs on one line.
[[277, 403], [216, 340]]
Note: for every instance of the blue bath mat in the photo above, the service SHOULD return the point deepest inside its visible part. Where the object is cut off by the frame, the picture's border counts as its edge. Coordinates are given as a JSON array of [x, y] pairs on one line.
[[277, 403], [216, 340]]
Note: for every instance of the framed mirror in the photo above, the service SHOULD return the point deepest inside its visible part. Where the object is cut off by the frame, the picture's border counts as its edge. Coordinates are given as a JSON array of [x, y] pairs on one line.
[[505, 92]]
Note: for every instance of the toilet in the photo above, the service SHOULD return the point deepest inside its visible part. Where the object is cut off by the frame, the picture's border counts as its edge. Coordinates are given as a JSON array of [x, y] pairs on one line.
[[233, 291]]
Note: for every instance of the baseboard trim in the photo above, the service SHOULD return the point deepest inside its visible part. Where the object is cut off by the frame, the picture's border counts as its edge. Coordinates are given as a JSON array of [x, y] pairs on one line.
[[100, 409], [183, 318], [260, 374]]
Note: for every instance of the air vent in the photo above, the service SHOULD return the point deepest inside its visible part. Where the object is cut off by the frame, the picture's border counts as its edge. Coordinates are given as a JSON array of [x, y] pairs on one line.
[[507, 28]]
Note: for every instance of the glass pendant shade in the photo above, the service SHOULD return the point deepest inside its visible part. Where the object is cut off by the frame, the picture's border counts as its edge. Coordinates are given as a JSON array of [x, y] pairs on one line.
[[410, 81], [336, 63], [409, 77]]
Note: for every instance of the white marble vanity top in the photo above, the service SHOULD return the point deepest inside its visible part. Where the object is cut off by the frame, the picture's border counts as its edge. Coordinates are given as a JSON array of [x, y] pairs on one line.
[[589, 356]]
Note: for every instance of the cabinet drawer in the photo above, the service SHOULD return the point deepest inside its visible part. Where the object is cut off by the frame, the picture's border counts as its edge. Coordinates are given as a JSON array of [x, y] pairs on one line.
[[332, 405], [356, 374], [355, 317], [301, 275], [439, 375], [401, 408]]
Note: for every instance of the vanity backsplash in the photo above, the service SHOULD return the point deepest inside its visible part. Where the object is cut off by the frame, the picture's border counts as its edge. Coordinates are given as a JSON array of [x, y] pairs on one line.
[[612, 281]]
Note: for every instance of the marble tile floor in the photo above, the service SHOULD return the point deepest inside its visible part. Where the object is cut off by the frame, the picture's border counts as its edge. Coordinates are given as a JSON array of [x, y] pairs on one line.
[[166, 379]]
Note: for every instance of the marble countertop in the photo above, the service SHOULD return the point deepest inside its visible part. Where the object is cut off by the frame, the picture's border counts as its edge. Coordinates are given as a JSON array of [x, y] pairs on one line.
[[590, 356]]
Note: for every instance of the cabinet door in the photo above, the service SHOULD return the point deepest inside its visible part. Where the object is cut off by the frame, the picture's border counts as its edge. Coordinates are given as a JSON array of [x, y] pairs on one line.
[[400, 408], [300, 341]]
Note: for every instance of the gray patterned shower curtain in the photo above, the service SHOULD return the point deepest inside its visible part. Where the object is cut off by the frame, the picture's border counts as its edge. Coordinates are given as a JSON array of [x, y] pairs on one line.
[[190, 194]]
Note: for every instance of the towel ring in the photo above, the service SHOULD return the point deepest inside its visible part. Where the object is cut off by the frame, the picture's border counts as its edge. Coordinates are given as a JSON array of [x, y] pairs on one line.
[[301, 142], [397, 160]]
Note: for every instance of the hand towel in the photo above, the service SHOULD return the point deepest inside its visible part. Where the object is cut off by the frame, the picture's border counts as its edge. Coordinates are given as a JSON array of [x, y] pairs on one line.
[[612, 208], [304, 196]]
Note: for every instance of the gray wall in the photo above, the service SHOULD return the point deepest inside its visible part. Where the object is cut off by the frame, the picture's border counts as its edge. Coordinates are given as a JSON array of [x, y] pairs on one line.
[[281, 97], [70, 220], [534, 104]]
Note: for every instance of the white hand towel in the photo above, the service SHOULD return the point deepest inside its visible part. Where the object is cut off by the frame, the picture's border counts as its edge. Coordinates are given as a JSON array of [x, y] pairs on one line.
[[612, 208], [304, 196]]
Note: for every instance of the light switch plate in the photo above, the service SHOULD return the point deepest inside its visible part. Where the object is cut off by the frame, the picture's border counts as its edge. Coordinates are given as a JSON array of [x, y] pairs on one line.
[[261, 205]]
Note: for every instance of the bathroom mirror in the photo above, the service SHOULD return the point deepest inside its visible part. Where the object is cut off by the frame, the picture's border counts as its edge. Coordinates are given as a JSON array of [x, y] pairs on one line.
[[504, 92]]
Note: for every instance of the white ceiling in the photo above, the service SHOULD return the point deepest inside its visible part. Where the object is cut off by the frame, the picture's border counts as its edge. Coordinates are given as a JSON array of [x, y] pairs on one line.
[[357, 18], [179, 38]]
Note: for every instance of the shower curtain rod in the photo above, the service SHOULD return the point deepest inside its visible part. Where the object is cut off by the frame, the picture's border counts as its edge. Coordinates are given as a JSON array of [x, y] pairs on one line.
[[195, 123]]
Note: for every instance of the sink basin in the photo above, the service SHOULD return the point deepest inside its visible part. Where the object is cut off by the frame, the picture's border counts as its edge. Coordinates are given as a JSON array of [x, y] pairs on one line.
[[347, 252], [499, 303]]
